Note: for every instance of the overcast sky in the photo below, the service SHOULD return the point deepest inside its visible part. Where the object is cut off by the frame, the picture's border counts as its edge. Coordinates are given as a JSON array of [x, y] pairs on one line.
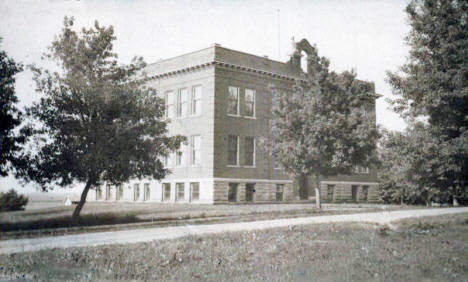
[[365, 35]]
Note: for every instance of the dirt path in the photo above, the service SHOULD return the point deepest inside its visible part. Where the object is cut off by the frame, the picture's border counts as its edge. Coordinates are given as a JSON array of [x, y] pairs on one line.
[[145, 235]]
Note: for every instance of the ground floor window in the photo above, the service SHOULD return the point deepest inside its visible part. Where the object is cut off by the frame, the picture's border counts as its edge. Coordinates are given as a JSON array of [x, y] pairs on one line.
[[330, 190], [354, 190], [180, 187], [108, 188], [195, 191], [279, 192], [365, 193], [232, 192], [166, 192], [136, 195], [249, 192], [119, 192], [99, 193], [147, 191]]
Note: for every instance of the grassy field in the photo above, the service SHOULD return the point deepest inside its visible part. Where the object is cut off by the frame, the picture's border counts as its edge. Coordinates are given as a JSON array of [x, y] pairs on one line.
[[428, 249], [112, 216]]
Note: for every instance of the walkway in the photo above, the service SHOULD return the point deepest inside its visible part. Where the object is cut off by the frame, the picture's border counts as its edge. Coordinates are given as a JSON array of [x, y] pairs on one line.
[[161, 233]]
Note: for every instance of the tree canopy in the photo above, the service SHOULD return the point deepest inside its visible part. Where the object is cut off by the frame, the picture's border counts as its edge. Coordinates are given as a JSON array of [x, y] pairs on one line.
[[322, 128], [10, 116], [433, 85], [96, 121]]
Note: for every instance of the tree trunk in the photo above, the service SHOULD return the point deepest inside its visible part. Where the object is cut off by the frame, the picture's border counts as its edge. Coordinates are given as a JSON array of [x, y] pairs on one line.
[[455, 201], [84, 194], [318, 191]]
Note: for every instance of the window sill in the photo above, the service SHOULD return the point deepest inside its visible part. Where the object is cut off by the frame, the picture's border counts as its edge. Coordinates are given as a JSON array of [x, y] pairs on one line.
[[199, 115], [250, 166], [231, 115], [233, 165], [247, 117], [199, 165]]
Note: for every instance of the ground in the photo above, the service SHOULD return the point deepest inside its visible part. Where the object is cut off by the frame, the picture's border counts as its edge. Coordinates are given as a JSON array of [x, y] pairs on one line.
[[425, 249]]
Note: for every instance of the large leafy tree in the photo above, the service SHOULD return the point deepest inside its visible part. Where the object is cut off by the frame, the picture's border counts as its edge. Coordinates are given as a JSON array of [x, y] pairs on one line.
[[97, 121], [322, 129], [409, 170], [10, 116], [433, 84]]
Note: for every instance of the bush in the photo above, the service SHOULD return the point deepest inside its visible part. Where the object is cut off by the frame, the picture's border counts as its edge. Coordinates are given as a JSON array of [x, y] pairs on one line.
[[11, 201]]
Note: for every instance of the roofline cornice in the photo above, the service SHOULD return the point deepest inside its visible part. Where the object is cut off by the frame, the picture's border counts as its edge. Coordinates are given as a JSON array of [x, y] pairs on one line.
[[224, 65]]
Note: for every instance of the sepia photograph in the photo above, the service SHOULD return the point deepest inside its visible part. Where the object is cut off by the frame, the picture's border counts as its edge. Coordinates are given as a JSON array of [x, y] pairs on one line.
[[209, 140]]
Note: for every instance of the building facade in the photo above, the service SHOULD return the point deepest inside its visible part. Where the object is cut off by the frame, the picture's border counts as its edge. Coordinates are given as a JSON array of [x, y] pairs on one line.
[[221, 100]]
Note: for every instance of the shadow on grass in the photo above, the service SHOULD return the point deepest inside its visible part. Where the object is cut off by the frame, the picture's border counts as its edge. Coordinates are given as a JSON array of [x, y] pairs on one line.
[[65, 222]]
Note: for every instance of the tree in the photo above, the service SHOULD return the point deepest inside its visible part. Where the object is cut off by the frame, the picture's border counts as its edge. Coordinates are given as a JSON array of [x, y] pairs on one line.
[[321, 129], [10, 116], [433, 84], [11, 201], [409, 167], [97, 121]]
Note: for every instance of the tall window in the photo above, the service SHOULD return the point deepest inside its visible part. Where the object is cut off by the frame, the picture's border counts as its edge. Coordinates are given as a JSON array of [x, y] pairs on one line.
[[182, 101], [233, 101], [108, 188], [181, 156], [249, 151], [169, 101], [233, 150], [196, 100], [180, 187], [137, 192], [119, 192], [232, 192], [167, 161], [99, 193], [330, 189], [166, 192], [249, 103], [365, 193], [196, 150], [195, 191], [279, 196], [249, 192], [147, 191]]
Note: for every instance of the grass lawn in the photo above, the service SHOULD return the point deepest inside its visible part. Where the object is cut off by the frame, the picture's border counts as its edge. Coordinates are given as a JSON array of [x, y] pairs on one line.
[[425, 249], [111, 216]]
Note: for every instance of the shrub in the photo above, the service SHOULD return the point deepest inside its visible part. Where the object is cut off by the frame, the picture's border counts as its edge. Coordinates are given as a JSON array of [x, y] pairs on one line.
[[11, 201]]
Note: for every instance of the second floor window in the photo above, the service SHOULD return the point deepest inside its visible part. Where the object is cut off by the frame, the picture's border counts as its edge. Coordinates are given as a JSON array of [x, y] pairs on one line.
[[169, 103], [196, 100], [180, 155], [233, 150], [233, 101], [249, 103], [182, 101], [196, 150]]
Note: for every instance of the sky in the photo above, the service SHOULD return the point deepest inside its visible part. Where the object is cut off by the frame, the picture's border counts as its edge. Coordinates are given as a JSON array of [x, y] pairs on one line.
[[364, 35]]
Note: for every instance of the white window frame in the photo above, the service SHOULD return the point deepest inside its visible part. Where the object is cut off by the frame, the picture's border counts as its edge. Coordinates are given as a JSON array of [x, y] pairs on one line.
[[178, 186], [253, 116], [181, 156], [194, 150], [191, 191], [253, 153], [238, 100], [237, 151], [196, 111], [136, 187], [167, 161], [169, 105], [181, 103], [164, 185], [146, 192]]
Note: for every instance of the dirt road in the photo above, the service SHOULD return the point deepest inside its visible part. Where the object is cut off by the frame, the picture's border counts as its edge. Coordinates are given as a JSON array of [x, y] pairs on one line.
[[145, 235]]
